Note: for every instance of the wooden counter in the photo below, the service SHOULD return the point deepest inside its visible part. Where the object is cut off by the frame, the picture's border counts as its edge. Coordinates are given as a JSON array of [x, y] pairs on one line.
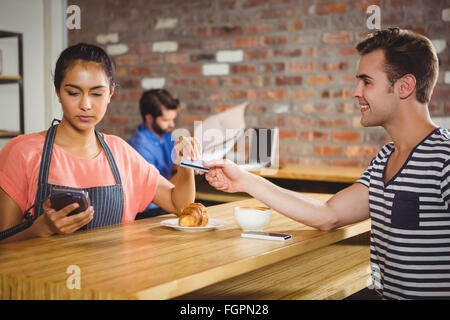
[[144, 260], [313, 173]]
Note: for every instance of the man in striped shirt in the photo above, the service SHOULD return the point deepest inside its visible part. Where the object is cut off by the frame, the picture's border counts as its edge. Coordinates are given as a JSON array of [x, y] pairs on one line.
[[406, 188]]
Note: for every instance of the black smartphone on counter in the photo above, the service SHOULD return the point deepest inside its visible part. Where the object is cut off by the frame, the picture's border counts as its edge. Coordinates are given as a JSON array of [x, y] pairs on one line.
[[266, 235]]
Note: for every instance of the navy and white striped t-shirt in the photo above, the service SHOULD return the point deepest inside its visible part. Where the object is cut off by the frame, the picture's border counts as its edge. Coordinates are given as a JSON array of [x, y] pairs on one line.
[[410, 217]]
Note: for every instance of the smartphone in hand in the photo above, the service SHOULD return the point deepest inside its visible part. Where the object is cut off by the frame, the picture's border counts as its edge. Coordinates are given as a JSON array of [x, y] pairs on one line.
[[62, 197]]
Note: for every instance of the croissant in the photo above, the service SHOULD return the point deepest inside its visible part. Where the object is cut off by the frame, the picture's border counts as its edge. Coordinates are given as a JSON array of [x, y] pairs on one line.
[[193, 215]]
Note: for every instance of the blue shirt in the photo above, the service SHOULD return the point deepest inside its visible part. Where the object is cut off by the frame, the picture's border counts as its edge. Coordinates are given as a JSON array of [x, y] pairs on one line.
[[156, 150]]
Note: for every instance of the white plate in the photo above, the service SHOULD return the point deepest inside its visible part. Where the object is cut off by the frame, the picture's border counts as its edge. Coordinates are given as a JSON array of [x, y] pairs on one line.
[[212, 224]]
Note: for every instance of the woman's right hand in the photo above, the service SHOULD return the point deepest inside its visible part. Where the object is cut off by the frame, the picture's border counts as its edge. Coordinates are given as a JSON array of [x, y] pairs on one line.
[[53, 221], [226, 176]]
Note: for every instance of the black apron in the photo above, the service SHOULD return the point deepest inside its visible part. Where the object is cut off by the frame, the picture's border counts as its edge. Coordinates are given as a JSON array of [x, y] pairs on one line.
[[106, 200]]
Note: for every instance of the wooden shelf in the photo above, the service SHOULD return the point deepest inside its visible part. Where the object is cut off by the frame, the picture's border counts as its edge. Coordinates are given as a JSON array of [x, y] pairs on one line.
[[9, 77], [15, 79], [4, 133]]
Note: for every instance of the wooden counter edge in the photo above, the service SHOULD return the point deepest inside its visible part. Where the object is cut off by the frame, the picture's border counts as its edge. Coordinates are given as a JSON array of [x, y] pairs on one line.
[[182, 286], [338, 174], [19, 287]]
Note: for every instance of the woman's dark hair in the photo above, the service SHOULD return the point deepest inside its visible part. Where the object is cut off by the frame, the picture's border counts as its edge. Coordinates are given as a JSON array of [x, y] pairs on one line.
[[84, 52], [152, 102], [406, 52]]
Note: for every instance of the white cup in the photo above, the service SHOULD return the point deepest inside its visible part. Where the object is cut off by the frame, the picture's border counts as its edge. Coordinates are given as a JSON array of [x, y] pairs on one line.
[[252, 218]]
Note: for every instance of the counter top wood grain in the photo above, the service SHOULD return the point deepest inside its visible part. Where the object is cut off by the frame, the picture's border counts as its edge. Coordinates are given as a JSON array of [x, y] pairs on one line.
[[144, 260], [313, 173]]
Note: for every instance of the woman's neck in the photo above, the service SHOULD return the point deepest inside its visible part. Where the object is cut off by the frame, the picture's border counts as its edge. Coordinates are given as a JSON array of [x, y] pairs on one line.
[[83, 144]]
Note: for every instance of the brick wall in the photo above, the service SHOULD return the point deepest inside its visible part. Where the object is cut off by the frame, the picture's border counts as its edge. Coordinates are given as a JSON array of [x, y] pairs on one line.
[[294, 61]]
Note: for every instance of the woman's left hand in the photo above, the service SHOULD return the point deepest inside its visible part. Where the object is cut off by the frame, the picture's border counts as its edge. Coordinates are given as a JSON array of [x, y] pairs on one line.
[[188, 148]]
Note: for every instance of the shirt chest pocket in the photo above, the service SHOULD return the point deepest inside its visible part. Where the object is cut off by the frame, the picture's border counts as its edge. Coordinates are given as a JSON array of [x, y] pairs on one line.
[[405, 210]]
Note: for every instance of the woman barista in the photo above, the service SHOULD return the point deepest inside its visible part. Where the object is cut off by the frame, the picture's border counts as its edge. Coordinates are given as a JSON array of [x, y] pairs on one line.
[[73, 154]]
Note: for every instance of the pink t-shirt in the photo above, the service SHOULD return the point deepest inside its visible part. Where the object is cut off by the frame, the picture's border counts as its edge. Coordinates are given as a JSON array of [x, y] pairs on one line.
[[20, 161]]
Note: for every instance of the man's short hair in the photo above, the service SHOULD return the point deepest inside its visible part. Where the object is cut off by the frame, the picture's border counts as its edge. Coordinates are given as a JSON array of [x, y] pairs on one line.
[[153, 101], [406, 52]]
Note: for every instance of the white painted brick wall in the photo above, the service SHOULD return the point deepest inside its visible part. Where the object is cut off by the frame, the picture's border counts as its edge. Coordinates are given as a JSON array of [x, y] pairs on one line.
[[166, 23], [216, 69], [439, 45], [446, 14], [107, 38], [280, 108], [116, 49], [165, 46], [447, 77], [153, 83], [230, 56]]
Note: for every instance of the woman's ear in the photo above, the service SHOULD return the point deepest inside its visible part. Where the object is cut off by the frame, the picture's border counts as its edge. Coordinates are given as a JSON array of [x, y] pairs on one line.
[[406, 85], [111, 92], [58, 94]]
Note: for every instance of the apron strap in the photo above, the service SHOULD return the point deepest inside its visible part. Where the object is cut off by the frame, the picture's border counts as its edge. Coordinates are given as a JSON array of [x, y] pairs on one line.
[[47, 155], [110, 158], [44, 169]]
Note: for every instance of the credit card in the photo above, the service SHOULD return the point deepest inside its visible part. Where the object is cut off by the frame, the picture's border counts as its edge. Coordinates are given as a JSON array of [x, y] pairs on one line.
[[193, 164]]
